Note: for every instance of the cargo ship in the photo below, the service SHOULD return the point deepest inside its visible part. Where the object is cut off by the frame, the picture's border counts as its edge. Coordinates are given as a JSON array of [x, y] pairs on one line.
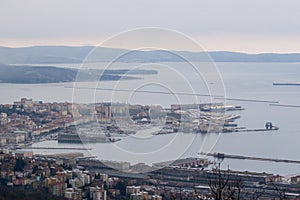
[[83, 138]]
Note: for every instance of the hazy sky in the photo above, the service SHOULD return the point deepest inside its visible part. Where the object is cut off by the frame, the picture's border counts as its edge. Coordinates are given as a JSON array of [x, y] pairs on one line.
[[237, 25]]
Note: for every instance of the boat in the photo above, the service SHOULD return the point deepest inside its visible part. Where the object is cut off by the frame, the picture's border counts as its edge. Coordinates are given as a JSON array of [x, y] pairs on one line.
[[81, 138], [166, 130]]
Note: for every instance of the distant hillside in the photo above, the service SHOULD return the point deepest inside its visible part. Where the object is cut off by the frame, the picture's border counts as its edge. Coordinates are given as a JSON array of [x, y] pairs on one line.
[[28, 74], [43, 54], [65, 54], [225, 56], [46, 74]]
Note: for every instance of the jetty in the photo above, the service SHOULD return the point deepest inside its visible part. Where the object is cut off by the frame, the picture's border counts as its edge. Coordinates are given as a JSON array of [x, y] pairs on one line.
[[223, 156], [268, 127], [54, 148], [287, 84], [286, 105]]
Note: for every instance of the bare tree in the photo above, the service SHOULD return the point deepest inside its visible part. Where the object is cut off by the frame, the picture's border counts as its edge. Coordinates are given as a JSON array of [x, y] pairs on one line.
[[280, 193], [225, 186], [218, 183], [254, 194], [235, 189]]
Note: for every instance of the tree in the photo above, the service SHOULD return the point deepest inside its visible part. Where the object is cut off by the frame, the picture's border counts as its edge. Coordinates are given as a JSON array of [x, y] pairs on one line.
[[235, 189], [225, 186], [122, 187], [218, 183], [35, 169], [280, 192], [105, 185], [20, 164]]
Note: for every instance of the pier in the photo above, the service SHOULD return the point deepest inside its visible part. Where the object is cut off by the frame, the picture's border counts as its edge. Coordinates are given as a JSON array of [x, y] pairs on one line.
[[287, 84], [223, 156], [249, 130], [247, 100], [55, 148], [286, 105], [179, 94], [268, 127]]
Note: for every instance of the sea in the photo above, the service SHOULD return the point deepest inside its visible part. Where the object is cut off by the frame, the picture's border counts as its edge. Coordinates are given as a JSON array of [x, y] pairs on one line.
[[249, 85]]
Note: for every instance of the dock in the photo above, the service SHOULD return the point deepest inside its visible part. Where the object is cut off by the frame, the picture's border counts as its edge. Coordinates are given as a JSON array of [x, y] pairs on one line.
[[235, 130], [268, 127], [223, 156]]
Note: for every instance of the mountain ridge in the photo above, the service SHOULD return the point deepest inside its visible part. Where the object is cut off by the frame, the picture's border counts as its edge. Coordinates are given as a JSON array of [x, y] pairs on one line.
[[78, 54]]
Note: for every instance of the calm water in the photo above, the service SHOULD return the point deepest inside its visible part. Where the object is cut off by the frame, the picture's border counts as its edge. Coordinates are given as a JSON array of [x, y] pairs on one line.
[[241, 80]]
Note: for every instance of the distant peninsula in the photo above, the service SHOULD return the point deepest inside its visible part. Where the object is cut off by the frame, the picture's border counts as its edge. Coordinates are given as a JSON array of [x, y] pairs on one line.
[[68, 54], [25, 74]]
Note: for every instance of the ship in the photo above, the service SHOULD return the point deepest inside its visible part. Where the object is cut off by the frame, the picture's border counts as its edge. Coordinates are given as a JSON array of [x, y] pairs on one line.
[[83, 138]]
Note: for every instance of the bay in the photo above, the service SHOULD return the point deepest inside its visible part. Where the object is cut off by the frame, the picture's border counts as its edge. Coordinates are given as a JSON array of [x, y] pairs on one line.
[[241, 80]]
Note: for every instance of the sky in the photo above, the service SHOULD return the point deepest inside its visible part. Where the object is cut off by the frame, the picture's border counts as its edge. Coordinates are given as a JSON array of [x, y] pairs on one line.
[[253, 26]]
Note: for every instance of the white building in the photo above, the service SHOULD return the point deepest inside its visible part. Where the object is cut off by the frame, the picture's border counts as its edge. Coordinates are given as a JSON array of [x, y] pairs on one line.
[[97, 193]]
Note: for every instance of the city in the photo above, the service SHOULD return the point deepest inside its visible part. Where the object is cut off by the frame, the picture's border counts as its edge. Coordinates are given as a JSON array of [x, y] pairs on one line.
[[75, 176], [149, 100]]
